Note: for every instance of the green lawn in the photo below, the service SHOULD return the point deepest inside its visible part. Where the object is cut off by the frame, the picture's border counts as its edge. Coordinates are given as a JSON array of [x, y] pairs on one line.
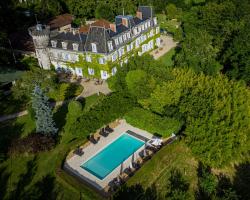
[[29, 175], [167, 59], [157, 170]]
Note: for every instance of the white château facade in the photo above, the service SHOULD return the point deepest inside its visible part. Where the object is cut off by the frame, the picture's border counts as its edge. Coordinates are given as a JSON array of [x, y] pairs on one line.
[[100, 50]]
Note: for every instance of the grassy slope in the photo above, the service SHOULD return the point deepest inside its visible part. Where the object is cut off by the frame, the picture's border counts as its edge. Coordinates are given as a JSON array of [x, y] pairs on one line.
[[166, 59], [25, 172], [157, 170]]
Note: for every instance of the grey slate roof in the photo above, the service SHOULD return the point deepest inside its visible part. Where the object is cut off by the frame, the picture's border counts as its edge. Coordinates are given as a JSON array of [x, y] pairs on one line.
[[100, 35], [147, 11], [70, 38]]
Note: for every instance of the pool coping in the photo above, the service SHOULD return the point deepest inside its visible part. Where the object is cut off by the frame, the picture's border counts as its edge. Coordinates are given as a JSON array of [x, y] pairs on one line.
[[94, 155], [73, 164]]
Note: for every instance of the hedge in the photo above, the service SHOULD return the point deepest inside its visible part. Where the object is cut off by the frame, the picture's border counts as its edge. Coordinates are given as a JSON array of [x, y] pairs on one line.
[[152, 123], [108, 110]]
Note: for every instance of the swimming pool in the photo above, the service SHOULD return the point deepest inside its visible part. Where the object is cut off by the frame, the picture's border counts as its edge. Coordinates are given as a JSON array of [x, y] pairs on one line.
[[112, 156]]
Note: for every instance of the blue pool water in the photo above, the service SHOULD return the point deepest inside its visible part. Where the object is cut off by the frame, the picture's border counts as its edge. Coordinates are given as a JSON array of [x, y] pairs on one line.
[[112, 156]]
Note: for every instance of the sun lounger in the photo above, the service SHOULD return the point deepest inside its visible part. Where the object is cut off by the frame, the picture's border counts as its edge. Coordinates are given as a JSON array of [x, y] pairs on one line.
[[103, 132], [108, 129]]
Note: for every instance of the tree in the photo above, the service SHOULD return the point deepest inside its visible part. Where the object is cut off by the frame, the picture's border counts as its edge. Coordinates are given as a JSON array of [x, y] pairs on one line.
[[139, 83], [44, 117], [171, 11], [104, 11], [215, 111], [46, 80], [74, 111], [177, 187], [198, 52]]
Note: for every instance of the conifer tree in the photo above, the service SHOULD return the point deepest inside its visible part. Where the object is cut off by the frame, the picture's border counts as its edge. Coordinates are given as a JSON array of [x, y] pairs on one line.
[[44, 120]]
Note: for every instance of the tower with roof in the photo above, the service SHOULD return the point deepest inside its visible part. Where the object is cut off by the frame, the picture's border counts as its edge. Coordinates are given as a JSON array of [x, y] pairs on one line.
[[41, 36]]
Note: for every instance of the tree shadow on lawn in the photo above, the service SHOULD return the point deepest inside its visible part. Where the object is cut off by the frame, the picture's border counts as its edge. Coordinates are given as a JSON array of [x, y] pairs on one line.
[[60, 116], [9, 130], [135, 192], [24, 180], [242, 180], [4, 177]]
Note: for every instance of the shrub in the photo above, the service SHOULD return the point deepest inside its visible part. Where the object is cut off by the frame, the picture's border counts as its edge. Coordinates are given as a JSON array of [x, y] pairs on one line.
[[112, 107], [33, 143], [153, 123]]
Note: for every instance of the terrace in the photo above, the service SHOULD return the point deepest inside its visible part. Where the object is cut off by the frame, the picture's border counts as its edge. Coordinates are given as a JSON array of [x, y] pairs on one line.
[[76, 159]]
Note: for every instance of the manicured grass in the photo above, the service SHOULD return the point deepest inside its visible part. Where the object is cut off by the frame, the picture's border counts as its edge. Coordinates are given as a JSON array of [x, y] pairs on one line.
[[91, 101], [40, 175], [157, 170], [167, 59]]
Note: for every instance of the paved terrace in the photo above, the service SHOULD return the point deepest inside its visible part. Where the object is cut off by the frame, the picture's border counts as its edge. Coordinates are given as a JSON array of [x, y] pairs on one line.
[[167, 43], [73, 163]]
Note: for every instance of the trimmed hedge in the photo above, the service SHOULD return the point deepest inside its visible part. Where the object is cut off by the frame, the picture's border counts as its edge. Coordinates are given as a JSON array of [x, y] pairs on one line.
[[109, 109], [153, 123]]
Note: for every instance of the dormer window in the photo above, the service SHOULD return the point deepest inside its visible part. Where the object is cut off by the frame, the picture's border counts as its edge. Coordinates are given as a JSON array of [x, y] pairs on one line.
[[110, 46], [116, 42], [94, 49], [64, 45], [124, 37], [128, 35], [135, 31], [53, 43], [75, 46], [148, 23], [155, 21], [120, 39], [142, 27]]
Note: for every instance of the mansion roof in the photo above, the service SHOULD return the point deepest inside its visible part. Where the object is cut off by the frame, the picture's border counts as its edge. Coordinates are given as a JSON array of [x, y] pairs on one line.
[[102, 32]]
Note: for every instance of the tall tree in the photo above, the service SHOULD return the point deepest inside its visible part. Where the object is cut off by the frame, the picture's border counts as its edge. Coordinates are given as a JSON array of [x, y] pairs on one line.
[[44, 118]]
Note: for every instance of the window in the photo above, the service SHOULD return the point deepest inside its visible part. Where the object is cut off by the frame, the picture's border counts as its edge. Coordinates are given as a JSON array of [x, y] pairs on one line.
[[155, 21], [64, 45], [78, 71], [139, 29], [114, 57], [124, 37], [75, 57], [135, 31], [128, 35], [75, 46], [113, 71], [101, 61], [131, 46], [104, 74], [148, 23], [157, 30], [88, 58], [91, 71], [142, 27], [116, 42], [94, 49], [53, 43], [137, 42], [120, 39], [120, 52], [128, 48], [110, 46]]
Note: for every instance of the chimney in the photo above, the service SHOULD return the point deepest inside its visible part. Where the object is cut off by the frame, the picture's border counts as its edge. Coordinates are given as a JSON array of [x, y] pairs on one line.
[[139, 14], [113, 27], [125, 22]]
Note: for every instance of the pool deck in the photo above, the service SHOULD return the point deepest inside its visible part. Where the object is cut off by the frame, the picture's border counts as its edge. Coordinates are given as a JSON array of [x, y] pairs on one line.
[[73, 163]]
